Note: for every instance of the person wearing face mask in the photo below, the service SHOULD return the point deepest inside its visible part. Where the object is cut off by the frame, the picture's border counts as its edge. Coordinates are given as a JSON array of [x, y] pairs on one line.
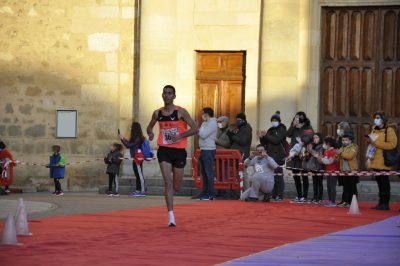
[[5, 158], [342, 128], [223, 141], [207, 137], [348, 162], [241, 136], [383, 138], [300, 126], [274, 141]]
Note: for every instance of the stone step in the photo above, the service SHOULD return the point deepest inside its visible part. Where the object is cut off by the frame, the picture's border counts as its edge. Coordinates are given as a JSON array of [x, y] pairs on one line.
[[152, 190]]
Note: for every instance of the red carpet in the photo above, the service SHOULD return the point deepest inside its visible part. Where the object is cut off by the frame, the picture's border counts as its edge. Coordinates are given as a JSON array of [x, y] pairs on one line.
[[207, 233]]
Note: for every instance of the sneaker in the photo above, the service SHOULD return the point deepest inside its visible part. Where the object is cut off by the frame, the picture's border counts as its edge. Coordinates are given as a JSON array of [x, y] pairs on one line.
[[139, 194], [295, 200], [204, 198], [109, 193], [54, 193], [302, 200], [134, 193], [383, 207], [60, 193], [171, 224], [115, 194], [316, 202], [250, 199], [343, 205], [330, 204], [7, 191], [277, 199]]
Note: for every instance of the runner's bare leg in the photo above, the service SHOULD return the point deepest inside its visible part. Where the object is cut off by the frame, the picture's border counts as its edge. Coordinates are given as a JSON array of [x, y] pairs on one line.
[[177, 178], [166, 171]]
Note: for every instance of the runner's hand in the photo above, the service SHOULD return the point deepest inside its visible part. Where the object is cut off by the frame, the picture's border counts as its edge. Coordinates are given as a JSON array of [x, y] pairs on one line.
[[151, 136], [176, 137]]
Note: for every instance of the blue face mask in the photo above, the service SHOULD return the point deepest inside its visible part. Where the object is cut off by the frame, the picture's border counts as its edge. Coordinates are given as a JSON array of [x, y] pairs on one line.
[[378, 122], [240, 123], [275, 124]]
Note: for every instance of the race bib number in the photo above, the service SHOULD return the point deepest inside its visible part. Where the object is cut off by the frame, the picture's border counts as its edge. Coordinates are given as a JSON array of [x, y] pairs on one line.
[[167, 134], [259, 168]]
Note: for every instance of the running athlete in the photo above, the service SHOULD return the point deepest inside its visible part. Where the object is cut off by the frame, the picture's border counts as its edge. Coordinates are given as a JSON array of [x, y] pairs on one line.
[[172, 141]]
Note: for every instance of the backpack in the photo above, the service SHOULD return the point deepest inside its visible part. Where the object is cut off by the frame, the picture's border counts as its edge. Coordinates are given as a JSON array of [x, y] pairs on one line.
[[147, 150], [391, 157]]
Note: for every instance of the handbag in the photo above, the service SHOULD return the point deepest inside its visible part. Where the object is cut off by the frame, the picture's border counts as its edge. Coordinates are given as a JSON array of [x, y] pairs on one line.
[[391, 157]]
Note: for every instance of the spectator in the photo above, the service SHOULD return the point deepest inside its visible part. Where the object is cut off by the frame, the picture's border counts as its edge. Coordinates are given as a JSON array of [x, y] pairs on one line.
[[207, 137], [299, 127], [113, 161], [311, 163], [274, 140], [57, 169], [241, 136], [383, 138], [5, 159], [263, 179], [348, 162], [222, 140], [343, 127], [134, 145], [331, 165]]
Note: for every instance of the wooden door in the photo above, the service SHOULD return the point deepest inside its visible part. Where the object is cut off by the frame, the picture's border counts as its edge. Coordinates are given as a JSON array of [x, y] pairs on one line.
[[220, 83], [360, 68]]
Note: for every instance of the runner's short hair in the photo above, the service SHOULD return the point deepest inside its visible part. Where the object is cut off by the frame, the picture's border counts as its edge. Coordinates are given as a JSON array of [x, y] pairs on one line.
[[169, 87]]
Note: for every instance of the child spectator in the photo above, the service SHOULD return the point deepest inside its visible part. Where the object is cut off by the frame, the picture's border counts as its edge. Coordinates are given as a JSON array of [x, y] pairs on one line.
[[263, 179], [113, 161], [311, 163], [134, 145], [348, 162], [331, 165], [5, 159], [57, 169]]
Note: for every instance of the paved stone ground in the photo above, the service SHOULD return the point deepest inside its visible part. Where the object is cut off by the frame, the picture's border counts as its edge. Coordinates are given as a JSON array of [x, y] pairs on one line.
[[43, 204]]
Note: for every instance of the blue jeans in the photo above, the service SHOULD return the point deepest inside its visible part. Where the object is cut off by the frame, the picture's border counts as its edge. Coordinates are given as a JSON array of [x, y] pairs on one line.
[[207, 158]]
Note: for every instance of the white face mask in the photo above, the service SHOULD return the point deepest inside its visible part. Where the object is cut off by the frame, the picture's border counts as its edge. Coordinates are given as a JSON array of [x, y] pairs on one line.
[[275, 124], [220, 125], [378, 122], [324, 146], [339, 132]]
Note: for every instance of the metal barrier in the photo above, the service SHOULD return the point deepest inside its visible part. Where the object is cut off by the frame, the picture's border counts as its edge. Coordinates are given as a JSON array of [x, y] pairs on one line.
[[228, 170]]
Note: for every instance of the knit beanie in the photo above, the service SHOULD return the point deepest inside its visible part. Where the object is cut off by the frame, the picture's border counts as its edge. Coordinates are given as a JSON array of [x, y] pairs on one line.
[[241, 116], [276, 116]]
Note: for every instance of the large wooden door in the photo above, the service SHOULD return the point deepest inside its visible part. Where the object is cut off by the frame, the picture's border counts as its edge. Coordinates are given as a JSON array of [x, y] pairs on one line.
[[220, 83], [360, 68]]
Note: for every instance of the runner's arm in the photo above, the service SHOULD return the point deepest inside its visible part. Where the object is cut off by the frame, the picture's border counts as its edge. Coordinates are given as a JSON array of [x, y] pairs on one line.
[[193, 127], [152, 123]]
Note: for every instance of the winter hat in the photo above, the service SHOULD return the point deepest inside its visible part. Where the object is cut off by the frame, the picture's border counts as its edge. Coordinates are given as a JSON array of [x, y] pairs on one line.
[[348, 134], [241, 116], [223, 119], [276, 116]]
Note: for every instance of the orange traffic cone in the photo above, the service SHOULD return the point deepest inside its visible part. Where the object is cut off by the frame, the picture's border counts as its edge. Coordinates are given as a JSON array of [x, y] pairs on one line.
[[9, 232], [354, 210], [21, 220]]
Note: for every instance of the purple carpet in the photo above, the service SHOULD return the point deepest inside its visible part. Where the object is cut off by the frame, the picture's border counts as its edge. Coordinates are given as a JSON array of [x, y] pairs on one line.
[[373, 244]]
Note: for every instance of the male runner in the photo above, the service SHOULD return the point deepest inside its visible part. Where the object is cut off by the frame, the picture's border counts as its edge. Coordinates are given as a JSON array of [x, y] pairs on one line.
[[172, 141]]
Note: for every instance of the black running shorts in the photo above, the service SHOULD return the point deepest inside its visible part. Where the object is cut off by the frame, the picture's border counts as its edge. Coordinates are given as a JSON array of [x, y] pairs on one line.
[[174, 156]]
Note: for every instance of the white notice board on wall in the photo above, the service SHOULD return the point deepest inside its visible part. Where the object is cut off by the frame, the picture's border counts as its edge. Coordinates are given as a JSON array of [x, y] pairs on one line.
[[67, 124]]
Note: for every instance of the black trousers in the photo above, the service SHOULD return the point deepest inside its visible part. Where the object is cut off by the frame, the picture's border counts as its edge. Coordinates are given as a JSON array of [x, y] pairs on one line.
[[349, 188], [279, 185], [57, 184], [111, 182], [302, 191], [384, 188], [138, 175], [318, 187]]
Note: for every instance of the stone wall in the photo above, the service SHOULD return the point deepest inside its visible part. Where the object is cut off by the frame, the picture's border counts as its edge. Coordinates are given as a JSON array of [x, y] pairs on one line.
[[65, 55]]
